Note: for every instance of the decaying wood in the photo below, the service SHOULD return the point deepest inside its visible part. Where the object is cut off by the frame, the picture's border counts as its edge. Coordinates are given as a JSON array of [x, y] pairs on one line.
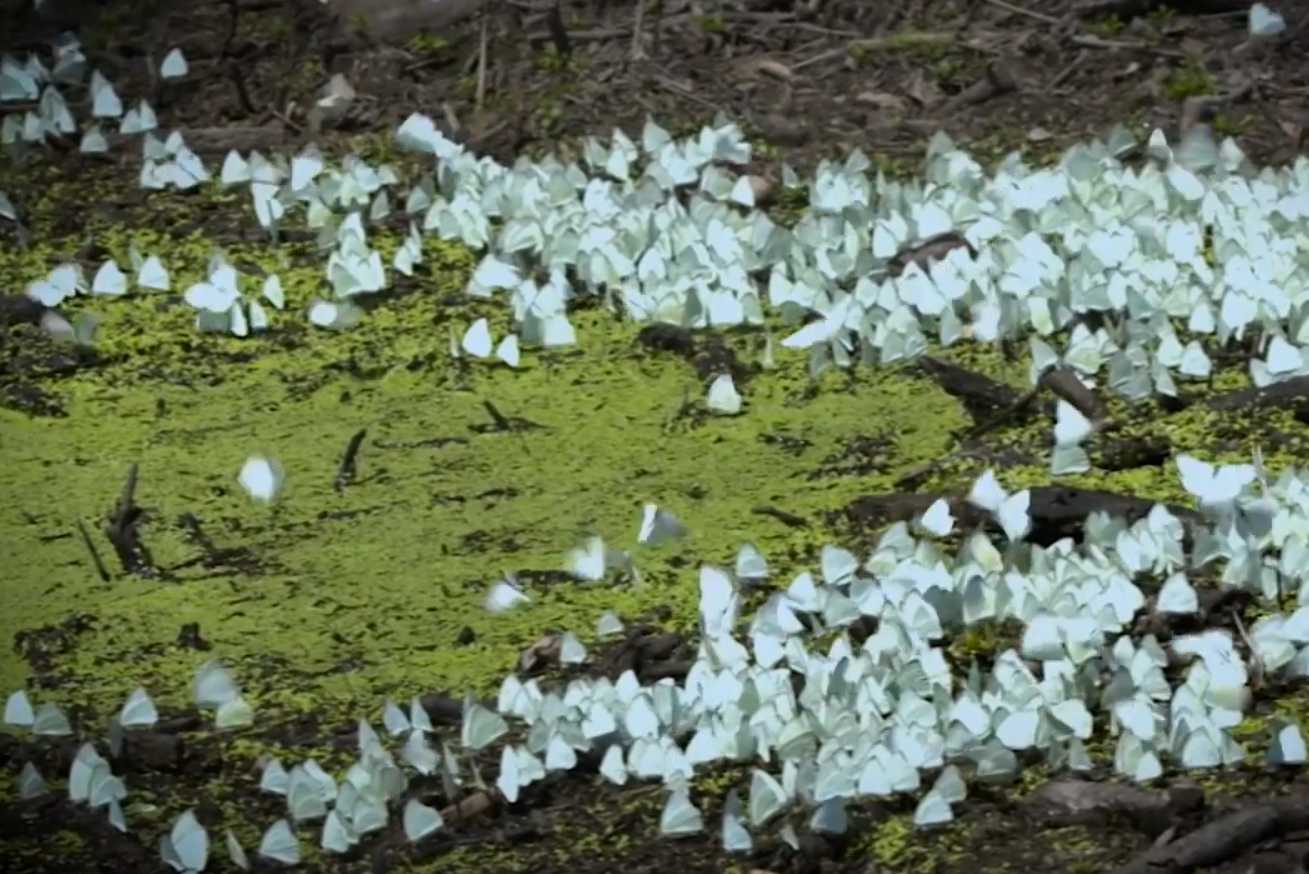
[[1066, 385], [982, 396], [1229, 837], [1056, 511], [1064, 803], [1290, 394]]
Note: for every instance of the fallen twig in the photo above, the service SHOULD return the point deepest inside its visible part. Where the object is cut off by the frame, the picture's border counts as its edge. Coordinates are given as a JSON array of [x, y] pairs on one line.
[[345, 471], [99, 564], [791, 520], [637, 51], [1224, 839], [996, 82], [480, 95], [981, 395], [498, 419], [1018, 10], [120, 528], [554, 21], [1065, 384]]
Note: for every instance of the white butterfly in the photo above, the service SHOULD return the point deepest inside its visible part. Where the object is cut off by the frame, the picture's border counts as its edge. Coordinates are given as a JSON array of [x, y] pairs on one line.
[[768, 797], [236, 713], [1212, 485], [937, 518], [261, 478], [1264, 22], [421, 820], [658, 526], [138, 710], [174, 65], [507, 350], [723, 399], [274, 778], [587, 562], [719, 602], [337, 837], [480, 727], [735, 837], [280, 844], [30, 782], [236, 852], [1288, 746], [680, 818], [213, 685], [1177, 595], [1071, 427], [503, 595], [477, 339], [933, 809], [750, 563], [186, 846], [18, 710], [608, 624]]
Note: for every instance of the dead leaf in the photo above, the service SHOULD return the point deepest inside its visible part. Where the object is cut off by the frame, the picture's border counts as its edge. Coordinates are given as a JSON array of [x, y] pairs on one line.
[[753, 68], [880, 100], [924, 90], [540, 655], [782, 131]]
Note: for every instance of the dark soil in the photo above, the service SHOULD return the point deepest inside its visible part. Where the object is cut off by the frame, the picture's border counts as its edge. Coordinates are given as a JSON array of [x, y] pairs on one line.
[[813, 80]]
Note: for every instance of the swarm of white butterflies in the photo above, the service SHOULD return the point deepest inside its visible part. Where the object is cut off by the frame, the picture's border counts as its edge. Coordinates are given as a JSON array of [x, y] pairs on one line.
[[870, 720], [667, 230]]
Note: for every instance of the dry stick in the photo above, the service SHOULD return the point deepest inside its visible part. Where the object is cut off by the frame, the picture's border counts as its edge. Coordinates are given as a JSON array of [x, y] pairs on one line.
[[1256, 661], [481, 63], [1094, 42], [1224, 839], [1018, 10], [242, 94], [790, 520], [100, 568], [1067, 386], [345, 471], [637, 51], [1020, 404], [554, 21], [995, 83], [1068, 71], [499, 419], [121, 527]]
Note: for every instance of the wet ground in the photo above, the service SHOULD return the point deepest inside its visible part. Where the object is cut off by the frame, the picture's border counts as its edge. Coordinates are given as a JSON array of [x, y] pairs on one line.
[[139, 558]]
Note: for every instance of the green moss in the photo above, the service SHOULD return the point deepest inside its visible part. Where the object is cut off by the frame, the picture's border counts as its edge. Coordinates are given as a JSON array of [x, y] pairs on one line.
[[1228, 125], [1189, 80], [427, 44], [711, 23], [389, 571], [1108, 25], [896, 844]]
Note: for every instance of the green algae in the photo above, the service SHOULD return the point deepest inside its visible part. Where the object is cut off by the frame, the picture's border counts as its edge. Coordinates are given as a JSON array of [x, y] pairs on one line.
[[393, 564]]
